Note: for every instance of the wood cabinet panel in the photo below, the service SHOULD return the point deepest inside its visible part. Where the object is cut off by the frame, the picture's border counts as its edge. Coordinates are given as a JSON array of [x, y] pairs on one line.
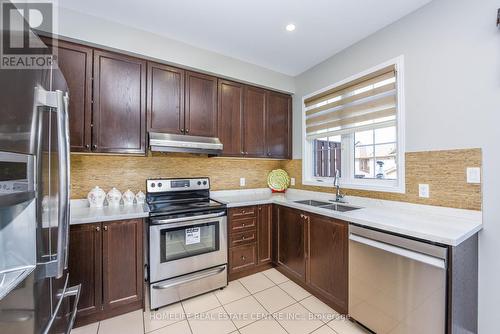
[[292, 242], [242, 238], [119, 103], [328, 259], [243, 212], [254, 116], [122, 263], [243, 257], [264, 233], [230, 117], [84, 263], [165, 99], [279, 126], [75, 63], [201, 105]]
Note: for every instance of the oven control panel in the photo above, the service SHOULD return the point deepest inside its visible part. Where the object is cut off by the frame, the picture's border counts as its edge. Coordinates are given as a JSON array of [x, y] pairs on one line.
[[168, 185]]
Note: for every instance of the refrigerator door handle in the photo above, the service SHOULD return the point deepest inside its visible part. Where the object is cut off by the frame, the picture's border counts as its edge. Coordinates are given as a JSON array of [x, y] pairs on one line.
[[73, 291], [59, 101]]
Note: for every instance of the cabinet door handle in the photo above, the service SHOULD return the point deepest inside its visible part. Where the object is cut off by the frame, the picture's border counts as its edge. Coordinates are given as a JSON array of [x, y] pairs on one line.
[[105, 227], [97, 228], [94, 147], [87, 147], [187, 130], [243, 258]]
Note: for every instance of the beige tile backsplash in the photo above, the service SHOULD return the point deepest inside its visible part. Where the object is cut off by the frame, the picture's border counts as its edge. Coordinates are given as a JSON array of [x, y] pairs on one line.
[[444, 171]]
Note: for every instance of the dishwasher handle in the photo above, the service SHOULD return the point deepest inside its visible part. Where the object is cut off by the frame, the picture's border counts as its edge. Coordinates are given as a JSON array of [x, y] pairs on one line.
[[419, 257]]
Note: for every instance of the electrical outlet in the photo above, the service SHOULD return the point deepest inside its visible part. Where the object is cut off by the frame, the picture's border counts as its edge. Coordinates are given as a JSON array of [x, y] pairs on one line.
[[292, 181], [423, 190], [473, 175], [243, 182]]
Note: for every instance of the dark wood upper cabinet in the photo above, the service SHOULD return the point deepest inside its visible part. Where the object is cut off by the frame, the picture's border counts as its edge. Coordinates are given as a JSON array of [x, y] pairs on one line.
[[84, 261], [264, 233], [75, 63], [230, 121], [122, 254], [328, 259], [254, 118], [279, 126], [165, 99], [292, 242], [119, 104], [200, 105]]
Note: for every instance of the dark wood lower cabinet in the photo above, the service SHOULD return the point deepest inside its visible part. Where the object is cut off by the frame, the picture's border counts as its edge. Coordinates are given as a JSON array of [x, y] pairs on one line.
[[107, 259], [122, 263], [292, 228], [264, 233], [311, 250], [250, 240], [327, 261], [85, 265]]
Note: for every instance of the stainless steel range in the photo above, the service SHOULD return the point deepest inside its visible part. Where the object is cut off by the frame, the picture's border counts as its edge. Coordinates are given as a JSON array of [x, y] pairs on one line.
[[187, 240]]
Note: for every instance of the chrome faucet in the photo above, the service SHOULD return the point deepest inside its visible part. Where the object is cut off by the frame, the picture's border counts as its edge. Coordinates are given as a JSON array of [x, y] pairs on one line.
[[336, 183]]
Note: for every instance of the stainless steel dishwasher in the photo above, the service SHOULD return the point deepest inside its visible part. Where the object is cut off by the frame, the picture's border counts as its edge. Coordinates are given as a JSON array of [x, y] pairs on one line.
[[396, 285]]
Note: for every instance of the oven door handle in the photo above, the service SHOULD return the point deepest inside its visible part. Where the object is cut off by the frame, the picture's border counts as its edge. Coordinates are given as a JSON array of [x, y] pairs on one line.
[[190, 219], [191, 277]]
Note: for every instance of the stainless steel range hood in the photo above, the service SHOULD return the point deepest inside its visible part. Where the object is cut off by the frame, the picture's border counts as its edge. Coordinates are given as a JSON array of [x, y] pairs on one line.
[[164, 142]]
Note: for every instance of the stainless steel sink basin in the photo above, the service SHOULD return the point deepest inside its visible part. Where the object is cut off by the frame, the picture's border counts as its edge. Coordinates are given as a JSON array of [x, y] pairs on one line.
[[339, 207], [312, 202], [327, 205]]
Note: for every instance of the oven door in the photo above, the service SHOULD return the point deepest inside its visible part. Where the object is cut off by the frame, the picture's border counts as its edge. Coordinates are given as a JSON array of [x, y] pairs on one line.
[[185, 245]]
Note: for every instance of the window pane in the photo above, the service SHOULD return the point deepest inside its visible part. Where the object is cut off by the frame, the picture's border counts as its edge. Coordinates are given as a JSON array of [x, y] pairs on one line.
[[386, 161], [326, 156], [363, 137], [364, 162], [385, 135]]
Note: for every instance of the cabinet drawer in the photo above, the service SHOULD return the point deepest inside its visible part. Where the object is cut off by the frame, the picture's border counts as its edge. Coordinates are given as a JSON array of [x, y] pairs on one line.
[[240, 225], [242, 238], [242, 257], [243, 212]]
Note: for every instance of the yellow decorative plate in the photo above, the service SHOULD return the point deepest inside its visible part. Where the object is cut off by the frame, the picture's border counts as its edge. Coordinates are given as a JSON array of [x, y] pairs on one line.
[[278, 180]]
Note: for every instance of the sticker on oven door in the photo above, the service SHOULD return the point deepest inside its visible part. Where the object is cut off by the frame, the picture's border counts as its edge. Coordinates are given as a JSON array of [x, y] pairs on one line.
[[192, 235]]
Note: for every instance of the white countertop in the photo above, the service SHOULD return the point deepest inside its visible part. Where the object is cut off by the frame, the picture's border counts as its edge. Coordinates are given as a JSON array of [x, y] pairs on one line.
[[436, 224], [81, 213]]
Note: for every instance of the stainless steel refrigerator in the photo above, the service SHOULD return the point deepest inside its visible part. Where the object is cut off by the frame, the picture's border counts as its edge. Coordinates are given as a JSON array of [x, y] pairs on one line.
[[35, 296]]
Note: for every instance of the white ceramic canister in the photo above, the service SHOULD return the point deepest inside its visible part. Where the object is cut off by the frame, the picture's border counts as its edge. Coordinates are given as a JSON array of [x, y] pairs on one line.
[[128, 198], [114, 197], [140, 197], [96, 197]]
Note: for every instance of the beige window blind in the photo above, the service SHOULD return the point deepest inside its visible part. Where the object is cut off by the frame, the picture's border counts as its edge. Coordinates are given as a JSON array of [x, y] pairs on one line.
[[367, 102]]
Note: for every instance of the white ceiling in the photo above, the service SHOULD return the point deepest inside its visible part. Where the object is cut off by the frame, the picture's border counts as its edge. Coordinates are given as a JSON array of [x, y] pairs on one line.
[[254, 30]]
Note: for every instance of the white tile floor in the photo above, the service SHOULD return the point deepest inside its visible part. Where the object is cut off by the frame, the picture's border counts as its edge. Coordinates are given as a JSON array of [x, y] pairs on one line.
[[266, 302]]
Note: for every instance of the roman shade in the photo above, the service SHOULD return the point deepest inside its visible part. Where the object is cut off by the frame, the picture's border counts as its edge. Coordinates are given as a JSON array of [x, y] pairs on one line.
[[366, 102]]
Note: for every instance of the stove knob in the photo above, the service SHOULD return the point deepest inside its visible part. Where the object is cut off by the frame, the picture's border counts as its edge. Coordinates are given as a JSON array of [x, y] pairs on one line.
[[199, 183], [159, 184], [204, 183], [153, 185]]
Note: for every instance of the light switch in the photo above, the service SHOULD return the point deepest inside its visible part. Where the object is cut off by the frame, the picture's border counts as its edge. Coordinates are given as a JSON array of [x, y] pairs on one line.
[[242, 182], [473, 175], [423, 190], [292, 181]]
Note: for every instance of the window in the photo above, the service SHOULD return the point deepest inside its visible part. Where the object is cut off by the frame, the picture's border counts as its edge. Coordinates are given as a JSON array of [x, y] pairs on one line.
[[356, 127]]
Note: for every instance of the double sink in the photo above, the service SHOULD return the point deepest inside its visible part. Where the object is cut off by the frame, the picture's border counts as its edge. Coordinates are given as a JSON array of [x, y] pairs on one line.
[[327, 205]]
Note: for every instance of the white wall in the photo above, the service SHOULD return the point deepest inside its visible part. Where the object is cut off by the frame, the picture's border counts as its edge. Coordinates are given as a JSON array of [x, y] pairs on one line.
[[88, 28], [452, 89]]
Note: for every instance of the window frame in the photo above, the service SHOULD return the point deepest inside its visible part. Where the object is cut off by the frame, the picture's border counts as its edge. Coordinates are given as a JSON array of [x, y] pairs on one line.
[[347, 179]]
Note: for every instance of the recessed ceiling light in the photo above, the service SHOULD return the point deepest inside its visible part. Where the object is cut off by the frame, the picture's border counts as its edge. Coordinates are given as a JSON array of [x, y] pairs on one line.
[[290, 27]]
